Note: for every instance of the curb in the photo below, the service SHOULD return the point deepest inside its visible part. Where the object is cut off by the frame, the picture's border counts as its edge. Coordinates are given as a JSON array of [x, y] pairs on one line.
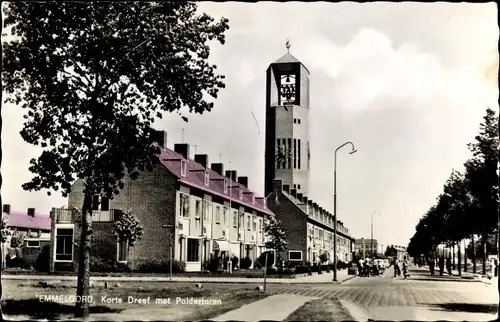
[[97, 279], [348, 279]]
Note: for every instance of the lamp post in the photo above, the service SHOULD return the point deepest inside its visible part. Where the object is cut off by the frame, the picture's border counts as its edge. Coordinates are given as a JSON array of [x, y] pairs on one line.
[[172, 227], [353, 150], [371, 237]]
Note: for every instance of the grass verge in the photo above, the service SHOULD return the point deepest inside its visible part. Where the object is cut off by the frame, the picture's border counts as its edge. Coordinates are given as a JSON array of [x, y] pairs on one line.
[[324, 309], [23, 301]]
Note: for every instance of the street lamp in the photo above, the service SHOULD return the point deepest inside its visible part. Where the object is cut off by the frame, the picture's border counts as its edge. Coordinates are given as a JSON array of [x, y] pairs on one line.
[[353, 150], [371, 237]]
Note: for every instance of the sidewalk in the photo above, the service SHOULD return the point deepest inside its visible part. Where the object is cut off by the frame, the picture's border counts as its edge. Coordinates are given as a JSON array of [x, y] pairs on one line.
[[314, 278], [272, 308]]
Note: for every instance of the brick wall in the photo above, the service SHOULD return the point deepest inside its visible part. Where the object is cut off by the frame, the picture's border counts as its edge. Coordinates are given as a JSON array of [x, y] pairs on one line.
[[152, 198], [293, 222]]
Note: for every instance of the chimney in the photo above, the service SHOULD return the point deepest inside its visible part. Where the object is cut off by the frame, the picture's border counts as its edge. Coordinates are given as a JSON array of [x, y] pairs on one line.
[[321, 210], [6, 209], [201, 159], [315, 205], [305, 200], [231, 174], [31, 212], [219, 168], [278, 185], [310, 203], [286, 188], [299, 196], [182, 149], [160, 137], [293, 192], [243, 181]]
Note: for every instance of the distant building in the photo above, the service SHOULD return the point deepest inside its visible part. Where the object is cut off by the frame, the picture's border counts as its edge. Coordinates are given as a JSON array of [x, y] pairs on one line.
[[309, 227], [400, 251], [208, 211], [366, 247], [36, 230]]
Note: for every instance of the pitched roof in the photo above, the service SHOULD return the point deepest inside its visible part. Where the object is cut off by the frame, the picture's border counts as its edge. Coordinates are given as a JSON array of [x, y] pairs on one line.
[[289, 58], [193, 178], [20, 219], [299, 204]]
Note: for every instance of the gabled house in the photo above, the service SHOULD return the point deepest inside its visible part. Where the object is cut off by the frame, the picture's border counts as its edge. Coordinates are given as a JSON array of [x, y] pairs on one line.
[[36, 230], [186, 205]]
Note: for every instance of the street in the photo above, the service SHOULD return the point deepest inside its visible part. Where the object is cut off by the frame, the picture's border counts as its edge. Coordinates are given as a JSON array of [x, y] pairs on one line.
[[420, 297]]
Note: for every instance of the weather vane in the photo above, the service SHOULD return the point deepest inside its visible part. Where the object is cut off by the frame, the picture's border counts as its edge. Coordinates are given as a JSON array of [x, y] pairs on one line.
[[287, 45]]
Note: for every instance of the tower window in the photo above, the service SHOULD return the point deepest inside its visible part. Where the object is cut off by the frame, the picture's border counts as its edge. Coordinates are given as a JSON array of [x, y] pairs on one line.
[[298, 154], [289, 155], [295, 153], [298, 121], [294, 186], [298, 186], [294, 120]]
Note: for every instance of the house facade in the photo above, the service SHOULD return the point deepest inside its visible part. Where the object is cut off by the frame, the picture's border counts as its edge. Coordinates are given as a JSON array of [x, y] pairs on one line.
[[188, 207], [309, 228], [35, 227], [366, 247]]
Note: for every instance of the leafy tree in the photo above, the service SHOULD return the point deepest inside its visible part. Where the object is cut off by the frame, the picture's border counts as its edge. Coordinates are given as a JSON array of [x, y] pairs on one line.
[[128, 228], [277, 236], [93, 78], [483, 179]]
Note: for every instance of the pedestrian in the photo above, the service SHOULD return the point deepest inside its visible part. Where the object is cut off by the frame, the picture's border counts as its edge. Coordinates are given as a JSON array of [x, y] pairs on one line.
[[396, 267], [441, 266], [432, 263], [448, 266]]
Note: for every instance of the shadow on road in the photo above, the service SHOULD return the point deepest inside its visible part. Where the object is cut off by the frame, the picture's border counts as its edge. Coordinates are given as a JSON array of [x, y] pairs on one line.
[[467, 307], [46, 310], [438, 278]]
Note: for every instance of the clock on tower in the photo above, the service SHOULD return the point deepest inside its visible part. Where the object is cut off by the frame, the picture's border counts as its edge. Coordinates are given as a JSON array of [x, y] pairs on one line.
[[287, 89]]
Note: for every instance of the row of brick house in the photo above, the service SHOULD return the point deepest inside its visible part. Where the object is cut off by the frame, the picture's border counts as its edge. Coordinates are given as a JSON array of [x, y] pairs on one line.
[[207, 211], [309, 227]]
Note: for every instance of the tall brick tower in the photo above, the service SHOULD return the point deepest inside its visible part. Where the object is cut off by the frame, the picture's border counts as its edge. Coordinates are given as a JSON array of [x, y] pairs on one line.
[[287, 155]]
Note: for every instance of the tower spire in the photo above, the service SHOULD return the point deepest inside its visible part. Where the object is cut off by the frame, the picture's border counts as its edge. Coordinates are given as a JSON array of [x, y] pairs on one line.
[[287, 45]]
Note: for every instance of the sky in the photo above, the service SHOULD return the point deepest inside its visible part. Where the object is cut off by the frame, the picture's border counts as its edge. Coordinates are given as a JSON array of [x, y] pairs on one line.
[[408, 83]]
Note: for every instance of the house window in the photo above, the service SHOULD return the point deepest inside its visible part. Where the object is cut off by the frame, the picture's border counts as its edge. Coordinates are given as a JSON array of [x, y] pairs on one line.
[[235, 215], [207, 178], [260, 224], [183, 168], [193, 250], [105, 204], [64, 244], [217, 214], [206, 212], [184, 205], [248, 223], [254, 224], [33, 243], [226, 184], [240, 221], [198, 209], [295, 255], [121, 250]]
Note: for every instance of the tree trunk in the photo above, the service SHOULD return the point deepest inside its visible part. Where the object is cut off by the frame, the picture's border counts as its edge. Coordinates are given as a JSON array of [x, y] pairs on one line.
[[453, 255], [473, 255], [465, 257], [1, 288], [459, 255], [483, 246], [83, 284]]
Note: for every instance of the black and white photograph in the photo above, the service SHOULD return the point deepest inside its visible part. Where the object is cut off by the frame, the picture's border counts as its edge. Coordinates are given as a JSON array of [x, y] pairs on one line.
[[249, 161]]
